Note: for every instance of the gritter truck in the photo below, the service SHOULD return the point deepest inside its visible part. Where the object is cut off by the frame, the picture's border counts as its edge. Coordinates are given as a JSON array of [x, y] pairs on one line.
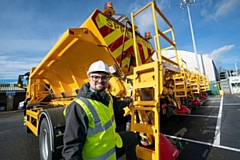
[[115, 39]]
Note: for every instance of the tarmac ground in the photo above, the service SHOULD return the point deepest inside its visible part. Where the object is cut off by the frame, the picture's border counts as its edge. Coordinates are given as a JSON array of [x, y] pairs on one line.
[[210, 132]]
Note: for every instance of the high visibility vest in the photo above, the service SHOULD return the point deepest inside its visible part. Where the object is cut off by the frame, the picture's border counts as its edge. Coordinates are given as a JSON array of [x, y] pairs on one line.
[[101, 133]]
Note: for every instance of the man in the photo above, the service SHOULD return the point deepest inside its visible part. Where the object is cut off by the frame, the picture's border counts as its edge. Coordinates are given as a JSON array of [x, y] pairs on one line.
[[90, 124]]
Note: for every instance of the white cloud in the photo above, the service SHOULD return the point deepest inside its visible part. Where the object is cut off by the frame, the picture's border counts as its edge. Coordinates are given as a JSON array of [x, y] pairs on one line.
[[10, 69], [25, 45], [207, 2], [135, 6], [144, 20], [222, 8], [218, 52], [17, 55], [226, 7]]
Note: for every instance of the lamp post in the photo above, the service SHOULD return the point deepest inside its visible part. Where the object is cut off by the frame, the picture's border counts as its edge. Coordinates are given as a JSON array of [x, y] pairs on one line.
[[187, 3]]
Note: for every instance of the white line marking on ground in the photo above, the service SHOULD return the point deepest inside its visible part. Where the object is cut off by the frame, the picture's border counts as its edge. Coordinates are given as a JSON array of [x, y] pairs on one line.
[[218, 126], [213, 99], [231, 104], [209, 106], [204, 143], [201, 116]]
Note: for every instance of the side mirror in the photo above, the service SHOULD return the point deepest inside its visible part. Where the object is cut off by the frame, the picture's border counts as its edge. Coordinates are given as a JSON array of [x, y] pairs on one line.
[[20, 81]]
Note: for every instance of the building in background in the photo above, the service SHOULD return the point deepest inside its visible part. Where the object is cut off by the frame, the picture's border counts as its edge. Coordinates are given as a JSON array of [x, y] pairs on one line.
[[230, 81], [206, 64], [10, 96]]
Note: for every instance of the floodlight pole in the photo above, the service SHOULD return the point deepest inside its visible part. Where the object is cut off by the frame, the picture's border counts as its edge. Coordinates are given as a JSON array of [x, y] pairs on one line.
[[187, 3]]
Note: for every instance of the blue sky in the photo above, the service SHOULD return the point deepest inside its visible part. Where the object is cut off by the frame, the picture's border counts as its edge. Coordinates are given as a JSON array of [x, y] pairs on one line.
[[29, 28]]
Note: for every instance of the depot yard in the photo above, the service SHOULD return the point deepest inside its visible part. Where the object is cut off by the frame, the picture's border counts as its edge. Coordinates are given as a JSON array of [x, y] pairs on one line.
[[211, 131]]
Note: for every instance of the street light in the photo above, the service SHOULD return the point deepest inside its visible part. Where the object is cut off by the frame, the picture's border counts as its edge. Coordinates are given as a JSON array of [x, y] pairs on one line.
[[187, 3]]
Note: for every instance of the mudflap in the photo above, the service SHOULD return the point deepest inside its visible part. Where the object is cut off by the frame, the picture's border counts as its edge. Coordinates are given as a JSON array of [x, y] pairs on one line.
[[168, 150]]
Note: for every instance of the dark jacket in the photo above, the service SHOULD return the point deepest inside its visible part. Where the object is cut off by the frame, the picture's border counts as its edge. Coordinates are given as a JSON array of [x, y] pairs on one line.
[[77, 122]]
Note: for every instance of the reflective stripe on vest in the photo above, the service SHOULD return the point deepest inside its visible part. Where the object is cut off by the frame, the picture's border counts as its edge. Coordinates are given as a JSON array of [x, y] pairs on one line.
[[101, 130], [99, 127]]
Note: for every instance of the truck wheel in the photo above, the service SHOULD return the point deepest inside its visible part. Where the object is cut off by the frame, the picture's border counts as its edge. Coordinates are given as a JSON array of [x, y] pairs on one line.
[[44, 141]]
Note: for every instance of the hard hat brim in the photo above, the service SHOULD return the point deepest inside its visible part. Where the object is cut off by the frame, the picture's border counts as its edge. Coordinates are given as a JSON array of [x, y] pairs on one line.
[[89, 72]]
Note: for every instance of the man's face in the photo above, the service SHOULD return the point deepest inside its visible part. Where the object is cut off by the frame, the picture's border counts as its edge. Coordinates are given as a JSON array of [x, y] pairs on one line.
[[98, 81]]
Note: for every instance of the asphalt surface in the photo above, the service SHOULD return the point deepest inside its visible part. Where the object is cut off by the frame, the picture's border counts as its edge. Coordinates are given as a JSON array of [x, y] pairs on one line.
[[196, 132], [15, 143]]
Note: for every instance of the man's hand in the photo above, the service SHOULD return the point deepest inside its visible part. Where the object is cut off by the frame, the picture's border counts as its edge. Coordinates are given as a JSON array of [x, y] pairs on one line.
[[126, 111]]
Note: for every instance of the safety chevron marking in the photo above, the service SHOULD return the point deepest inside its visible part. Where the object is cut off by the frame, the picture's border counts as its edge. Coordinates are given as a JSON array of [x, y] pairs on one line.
[[120, 42]]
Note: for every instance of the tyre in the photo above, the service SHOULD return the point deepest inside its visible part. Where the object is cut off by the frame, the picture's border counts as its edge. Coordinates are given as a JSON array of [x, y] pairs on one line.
[[44, 141]]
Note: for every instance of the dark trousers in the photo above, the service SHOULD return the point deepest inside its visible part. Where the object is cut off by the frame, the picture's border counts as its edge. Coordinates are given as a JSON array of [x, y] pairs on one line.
[[130, 140]]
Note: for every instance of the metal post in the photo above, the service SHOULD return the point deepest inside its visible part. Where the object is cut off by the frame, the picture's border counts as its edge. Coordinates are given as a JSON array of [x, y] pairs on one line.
[[187, 3]]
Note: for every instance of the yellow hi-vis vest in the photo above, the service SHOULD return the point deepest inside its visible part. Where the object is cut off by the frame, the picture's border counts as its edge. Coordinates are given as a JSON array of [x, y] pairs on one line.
[[101, 136]]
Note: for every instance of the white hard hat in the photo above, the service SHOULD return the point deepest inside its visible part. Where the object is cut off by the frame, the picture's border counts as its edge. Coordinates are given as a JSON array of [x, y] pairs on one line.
[[98, 66]]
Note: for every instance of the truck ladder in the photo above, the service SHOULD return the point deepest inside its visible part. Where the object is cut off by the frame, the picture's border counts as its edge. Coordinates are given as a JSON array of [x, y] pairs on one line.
[[195, 87], [147, 77], [180, 86]]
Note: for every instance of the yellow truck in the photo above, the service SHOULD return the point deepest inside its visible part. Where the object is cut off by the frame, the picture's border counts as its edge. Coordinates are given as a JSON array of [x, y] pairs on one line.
[[116, 40]]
